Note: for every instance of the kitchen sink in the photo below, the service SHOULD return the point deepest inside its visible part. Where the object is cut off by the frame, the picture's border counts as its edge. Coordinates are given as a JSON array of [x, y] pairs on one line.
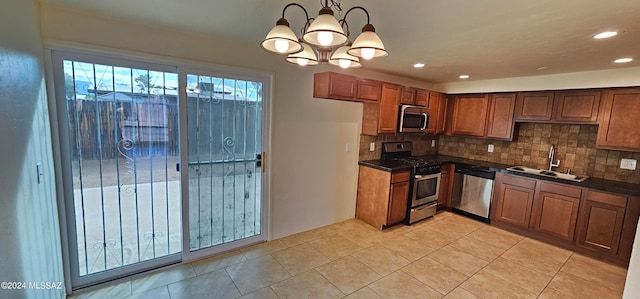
[[546, 173]]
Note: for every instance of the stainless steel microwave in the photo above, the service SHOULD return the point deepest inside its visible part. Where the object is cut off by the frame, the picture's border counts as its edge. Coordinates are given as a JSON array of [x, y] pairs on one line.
[[413, 118]]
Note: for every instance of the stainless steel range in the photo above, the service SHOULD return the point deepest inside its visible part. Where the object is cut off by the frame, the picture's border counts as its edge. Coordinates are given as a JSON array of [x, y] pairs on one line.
[[423, 197]]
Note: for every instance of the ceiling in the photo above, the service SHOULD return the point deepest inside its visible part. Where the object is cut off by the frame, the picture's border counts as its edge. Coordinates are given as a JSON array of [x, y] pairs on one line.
[[488, 39]]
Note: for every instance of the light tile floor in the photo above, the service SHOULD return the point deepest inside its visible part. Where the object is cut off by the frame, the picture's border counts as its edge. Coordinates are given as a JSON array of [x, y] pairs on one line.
[[449, 256]]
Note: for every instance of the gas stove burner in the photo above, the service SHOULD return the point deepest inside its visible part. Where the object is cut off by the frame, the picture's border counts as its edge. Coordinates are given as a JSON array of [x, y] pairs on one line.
[[418, 161]]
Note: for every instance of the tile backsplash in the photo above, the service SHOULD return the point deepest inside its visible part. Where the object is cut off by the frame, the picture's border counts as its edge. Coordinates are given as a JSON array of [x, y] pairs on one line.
[[421, 144], [575, 148]]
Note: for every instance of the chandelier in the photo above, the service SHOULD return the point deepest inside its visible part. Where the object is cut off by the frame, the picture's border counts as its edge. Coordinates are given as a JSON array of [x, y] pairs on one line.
[[324, 33]]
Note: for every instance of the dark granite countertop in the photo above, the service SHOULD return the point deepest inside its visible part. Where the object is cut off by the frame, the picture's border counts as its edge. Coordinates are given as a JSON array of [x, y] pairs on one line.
[[592, 183], [385, 165]]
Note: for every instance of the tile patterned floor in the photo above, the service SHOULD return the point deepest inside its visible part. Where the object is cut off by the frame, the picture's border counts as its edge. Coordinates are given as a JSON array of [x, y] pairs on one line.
[[449, 256]]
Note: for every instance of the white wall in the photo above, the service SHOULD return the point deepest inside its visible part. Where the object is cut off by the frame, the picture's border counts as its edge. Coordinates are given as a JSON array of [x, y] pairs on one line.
[[29, 232], [632, 287], [619, 77]]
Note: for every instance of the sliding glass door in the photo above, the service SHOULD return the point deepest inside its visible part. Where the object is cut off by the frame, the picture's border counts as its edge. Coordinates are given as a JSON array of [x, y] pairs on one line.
[[159, 164]]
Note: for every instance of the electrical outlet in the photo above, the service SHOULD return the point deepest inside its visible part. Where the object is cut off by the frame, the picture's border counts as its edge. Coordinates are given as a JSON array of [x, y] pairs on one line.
[[372, 146], [433, 143], [347, 147], [628, 164], [490, 148]]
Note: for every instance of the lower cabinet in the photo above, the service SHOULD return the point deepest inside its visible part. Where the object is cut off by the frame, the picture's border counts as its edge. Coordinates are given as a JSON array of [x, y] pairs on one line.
[[588, 221], [555, 210], [382, 196], [600, 222], [513, 200], [444, 193]]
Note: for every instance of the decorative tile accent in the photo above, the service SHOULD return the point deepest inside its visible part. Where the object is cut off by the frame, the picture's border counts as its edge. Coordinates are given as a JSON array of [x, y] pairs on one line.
[[421, 144], [575, 148]]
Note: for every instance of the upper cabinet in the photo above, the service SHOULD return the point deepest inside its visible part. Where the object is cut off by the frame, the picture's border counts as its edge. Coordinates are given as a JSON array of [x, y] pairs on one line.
[[330, 85], [619, 120], [437, 113], [500, 119], [469, 115], [382, 117], [422, 97], [408, 96], [577, 106], [571, 106], [534, 106]]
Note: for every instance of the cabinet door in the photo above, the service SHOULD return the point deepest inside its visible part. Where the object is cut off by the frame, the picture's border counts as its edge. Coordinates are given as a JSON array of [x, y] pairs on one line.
[[443, 192], [388, 109], [619, 120], [408, 96], [534, 106], [331, 85], [441, 116], [512, 203], [434, 109], [500, 121], [469, 116], [601, 220], [556, 215], [368, 90], [422, 97], [398, 202], [577, 106]]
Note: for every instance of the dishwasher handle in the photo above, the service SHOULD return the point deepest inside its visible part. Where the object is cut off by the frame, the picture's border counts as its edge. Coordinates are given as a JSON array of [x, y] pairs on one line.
[[478, 171]]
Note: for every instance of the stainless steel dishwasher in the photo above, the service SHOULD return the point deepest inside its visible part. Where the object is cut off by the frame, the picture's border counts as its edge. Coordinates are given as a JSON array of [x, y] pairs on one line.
[[472, 191]]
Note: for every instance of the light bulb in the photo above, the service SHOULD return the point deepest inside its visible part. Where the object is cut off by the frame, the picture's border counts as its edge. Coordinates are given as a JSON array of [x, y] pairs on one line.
[[281, 45], [344, 63], [325, 38], [302, 61], [368, 53]]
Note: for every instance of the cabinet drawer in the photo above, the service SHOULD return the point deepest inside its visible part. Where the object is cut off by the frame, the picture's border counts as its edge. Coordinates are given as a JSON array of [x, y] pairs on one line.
[[519, 181], [398, 177], [561, 189], [607, 198]]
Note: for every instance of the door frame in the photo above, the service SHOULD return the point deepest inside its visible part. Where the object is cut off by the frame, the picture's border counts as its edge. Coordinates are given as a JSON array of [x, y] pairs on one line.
[[187, 255], [59, 143]]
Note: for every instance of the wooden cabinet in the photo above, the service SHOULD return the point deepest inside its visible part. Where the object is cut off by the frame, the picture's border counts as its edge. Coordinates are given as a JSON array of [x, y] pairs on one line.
[[555, 210], [500, 120], [571, 106], [577, 106], [437, 113], [534, 106], [513, 200], [619, 120], [382, 117], [382, 196], [408, 96], [422, 97], [601, 220], [444, 193], [469, 115], [330, 85], [398, 202]]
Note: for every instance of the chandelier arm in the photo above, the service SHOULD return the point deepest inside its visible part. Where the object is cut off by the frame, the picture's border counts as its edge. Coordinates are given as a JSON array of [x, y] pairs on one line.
[[356, 7], [298, 5]]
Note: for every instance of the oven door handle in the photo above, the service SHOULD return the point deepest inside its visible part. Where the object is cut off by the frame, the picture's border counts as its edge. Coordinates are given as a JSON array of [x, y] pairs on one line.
[[426, 177], [426, 119]]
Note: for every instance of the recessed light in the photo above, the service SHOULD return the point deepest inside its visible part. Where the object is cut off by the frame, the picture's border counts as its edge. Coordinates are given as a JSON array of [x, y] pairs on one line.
[[542, 68], [463, 76], [623, 60], [605, 34], [418, 65]]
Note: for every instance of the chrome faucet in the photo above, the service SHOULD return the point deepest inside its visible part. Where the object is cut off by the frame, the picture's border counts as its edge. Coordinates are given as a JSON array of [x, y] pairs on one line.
[[552, 152]]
